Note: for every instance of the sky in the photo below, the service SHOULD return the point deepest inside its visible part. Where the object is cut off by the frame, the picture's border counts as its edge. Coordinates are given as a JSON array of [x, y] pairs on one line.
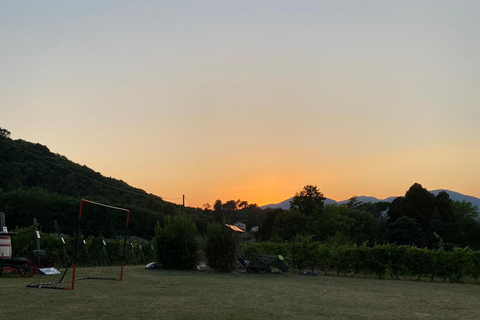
[[249, 100]]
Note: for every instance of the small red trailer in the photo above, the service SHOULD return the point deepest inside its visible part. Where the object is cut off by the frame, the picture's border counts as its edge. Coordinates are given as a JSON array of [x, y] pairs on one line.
[[24, 267]]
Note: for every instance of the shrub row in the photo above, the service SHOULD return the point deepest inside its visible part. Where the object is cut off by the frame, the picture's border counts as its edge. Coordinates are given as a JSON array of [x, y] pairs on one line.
[[380, 261], [179, 246]]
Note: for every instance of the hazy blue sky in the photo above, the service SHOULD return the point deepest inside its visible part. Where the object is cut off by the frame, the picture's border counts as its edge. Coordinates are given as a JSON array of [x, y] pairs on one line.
[[249, 100]]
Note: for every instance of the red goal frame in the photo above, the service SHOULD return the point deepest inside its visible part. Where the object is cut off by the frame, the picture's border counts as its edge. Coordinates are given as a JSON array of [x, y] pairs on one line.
[[73, 265]]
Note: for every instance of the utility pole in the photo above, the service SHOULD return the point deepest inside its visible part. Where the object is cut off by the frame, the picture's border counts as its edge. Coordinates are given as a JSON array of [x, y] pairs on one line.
[[183, 201]]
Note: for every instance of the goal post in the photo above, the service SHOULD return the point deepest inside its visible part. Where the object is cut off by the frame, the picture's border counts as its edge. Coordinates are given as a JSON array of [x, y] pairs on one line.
[[120, 278], [93, 219]]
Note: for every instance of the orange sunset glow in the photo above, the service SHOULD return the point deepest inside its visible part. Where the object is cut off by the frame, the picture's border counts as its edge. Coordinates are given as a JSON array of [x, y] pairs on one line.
[[250, 100]]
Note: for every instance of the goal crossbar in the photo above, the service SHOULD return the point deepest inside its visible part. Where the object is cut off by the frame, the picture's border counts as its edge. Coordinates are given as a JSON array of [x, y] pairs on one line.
[[73, 265]]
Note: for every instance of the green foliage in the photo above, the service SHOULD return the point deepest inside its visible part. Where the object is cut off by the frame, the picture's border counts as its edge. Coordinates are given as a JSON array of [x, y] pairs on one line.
[[396, 259], [405, 231], [308, 201], [51, 243], [265, 231], [35, 182], [22, 205], [338, 239], [377, 260], [458, 265], [4, 133], [306, 252], [221, 248], [289, 224], [472, 266], [418, 261], [415, 220], [270, 248], [341, 261], [236, 211], [23, 242], [176, 243], [417, 217], [357, 225]]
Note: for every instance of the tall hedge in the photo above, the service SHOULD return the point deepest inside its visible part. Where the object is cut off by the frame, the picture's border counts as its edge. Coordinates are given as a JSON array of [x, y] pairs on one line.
[[221, 247], [176, 243]]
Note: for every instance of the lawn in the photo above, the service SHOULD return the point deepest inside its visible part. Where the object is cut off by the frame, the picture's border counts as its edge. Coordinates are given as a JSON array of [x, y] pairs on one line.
[[158, 294]]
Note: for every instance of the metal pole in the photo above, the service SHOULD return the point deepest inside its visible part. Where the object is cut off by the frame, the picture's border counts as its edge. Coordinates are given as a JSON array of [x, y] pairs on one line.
[[62, 241], [37, 233], [2, 221], [132, 250], [89, 261], [104, 246]]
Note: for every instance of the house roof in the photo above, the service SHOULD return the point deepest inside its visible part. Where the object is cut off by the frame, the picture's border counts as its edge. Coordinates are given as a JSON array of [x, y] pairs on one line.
[[236, 229]]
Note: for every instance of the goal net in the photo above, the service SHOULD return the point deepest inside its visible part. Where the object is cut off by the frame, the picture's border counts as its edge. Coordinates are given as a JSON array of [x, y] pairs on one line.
[[96, 251]]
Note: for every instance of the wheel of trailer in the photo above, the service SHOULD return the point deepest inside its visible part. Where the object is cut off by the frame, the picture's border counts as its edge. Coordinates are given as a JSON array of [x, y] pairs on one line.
[[27, 270], [53, 260], [35, 258]]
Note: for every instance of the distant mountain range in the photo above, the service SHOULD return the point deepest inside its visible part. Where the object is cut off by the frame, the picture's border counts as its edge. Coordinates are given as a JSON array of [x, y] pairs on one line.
[[456, 196]]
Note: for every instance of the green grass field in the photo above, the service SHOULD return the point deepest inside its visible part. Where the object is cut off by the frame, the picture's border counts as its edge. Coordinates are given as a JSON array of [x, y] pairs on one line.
[[157, 294]]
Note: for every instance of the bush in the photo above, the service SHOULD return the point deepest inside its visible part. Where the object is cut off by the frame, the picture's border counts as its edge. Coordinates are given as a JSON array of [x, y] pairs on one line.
[[306, 253], [473, 264], [221, 247], [418, 261], [176, 243], [270, 248], [23, 242]]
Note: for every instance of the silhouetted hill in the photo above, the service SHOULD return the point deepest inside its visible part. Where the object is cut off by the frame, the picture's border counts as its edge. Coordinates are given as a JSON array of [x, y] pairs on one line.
[[34, 182]]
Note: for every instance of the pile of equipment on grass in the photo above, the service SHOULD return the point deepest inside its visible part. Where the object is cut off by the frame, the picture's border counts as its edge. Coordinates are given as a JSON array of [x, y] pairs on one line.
[[263, 263]]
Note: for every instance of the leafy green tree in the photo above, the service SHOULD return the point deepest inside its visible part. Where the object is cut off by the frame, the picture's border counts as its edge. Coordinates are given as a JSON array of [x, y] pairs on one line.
[[379, 212], [444, 205], [459, 230], [453, 221], [4, 133], [465, 209], [230, 205], [330, 221], [420, 205], [396, 210], [364, 227], [289, 224], [308, 201], [265, 229], [218, 205], [358, 225], [221, 247], [237, 211], [406, 231], [176, 243], [243, 204], [23, 242], [377, 209], [353, 202]]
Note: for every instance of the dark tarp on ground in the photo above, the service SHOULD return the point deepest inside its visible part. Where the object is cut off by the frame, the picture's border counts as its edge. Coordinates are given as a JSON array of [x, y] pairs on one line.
[[263, 263]]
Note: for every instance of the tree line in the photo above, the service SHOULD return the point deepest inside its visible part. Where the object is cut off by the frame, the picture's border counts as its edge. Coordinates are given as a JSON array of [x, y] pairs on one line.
[[34, 182], [419, 218]]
